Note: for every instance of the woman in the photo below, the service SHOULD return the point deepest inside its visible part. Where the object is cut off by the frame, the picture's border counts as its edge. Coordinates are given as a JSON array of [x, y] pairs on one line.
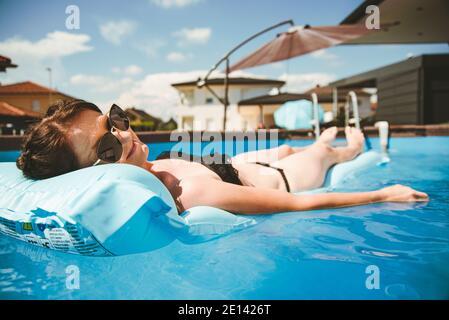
[[76, 134]]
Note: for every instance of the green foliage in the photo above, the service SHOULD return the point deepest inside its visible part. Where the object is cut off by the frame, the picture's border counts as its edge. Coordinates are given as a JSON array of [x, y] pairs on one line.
[[156, 125]]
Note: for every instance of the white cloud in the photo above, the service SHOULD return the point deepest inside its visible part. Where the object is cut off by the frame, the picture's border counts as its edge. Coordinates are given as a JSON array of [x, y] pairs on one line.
[[132, 70], [176, 57], [325, 55], [56, 44], [95, 83], [193, 35], [33, 57], [174, 3], [115, 31], [301, 82]]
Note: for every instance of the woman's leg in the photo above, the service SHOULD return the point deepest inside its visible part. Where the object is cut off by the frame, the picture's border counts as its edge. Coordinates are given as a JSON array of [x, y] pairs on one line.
[[283, 151], [307, 170]]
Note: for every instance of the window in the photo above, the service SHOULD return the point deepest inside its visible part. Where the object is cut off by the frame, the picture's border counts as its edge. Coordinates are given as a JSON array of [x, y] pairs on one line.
[[188, 95], [209, 100], [36, 105]]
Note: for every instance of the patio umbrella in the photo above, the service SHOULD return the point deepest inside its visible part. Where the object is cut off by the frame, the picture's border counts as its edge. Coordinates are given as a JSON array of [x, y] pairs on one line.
[[5, 62], [297, 114], [300, 40]]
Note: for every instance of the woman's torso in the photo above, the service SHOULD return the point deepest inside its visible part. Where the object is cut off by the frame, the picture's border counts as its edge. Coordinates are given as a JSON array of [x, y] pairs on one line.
[[172, 171]]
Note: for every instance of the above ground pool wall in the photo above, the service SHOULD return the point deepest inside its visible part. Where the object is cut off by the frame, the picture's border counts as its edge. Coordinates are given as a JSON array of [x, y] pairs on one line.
[[9, 142]]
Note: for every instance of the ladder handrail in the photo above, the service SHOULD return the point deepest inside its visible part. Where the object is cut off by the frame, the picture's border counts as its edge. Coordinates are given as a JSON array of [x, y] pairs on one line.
[[316, 116], [355, 107]]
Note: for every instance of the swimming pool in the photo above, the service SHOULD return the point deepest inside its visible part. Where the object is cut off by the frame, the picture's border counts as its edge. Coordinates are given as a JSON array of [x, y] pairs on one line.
[[310, 255]]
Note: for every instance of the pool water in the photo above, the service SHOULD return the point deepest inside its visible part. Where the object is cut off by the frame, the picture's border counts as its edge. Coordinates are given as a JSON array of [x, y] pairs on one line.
[[327, 254]]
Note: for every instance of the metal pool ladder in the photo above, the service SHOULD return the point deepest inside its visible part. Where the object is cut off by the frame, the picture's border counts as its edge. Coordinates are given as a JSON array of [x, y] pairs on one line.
[[352, 97], [316, 116], [383, 126]]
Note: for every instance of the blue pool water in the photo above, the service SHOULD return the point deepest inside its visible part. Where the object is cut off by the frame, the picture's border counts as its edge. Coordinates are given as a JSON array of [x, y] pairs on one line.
[[299, 255]]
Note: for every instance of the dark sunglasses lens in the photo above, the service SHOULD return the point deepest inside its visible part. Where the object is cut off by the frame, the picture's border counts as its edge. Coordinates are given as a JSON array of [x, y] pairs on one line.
[[119, 119], [109, 149]]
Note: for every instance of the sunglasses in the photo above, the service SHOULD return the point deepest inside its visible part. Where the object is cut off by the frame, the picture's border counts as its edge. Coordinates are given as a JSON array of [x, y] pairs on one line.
[[110, 148]]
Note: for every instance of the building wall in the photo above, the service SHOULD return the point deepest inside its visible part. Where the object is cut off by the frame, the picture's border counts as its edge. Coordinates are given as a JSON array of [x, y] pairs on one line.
[[202, 117], [436, 94], [398, 98], [26, 101]]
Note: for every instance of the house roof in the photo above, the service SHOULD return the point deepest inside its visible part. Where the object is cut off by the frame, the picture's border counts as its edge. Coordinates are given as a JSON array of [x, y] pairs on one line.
[[273, 99], [234, 81], [410, 21], [8, 110], [5, 62], [28, 87], [325, 93]]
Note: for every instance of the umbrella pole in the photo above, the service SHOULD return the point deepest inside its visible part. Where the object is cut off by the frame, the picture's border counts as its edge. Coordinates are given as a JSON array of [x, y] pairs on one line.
[[226, 94], [203, 82]]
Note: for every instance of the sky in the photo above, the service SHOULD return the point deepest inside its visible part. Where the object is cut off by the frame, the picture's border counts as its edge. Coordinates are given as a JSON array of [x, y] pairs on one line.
[[129, 52]]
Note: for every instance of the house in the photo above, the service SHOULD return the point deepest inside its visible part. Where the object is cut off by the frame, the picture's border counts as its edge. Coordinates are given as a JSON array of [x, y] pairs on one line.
[[14, 120], [412, 91], [30, 96], [142, 121], [200, 110]]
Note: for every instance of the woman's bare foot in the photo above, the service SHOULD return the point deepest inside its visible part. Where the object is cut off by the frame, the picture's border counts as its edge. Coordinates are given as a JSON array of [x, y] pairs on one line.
[[328, 135], [354, 147], [355, 139]]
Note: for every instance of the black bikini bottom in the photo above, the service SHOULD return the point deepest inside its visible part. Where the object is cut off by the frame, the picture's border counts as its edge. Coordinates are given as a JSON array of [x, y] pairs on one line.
[[223, 168], [281, 171]]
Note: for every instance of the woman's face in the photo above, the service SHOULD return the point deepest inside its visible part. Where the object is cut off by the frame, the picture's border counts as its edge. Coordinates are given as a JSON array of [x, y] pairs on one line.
[[87, 130]]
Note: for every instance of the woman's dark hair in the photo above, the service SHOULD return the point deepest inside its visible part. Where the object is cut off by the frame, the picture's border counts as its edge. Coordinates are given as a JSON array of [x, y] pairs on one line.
[[46, 151]]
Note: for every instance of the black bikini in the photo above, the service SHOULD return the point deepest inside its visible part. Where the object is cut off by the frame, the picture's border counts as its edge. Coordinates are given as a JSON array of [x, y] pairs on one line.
[[224, 169], [281, 171]]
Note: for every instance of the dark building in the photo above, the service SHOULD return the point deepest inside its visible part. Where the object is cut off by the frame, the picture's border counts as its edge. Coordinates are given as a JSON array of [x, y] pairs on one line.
[[413, 91]]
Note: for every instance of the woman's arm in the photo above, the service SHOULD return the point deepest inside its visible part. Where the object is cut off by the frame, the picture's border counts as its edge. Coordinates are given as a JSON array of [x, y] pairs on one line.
[[250, 200]]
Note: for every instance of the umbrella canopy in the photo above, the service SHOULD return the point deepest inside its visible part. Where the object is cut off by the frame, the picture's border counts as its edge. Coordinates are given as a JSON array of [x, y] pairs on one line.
[[297, 114], [298, 41], [5, 62]]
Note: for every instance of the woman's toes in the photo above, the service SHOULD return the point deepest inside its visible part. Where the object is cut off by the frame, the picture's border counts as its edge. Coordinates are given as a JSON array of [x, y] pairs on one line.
[[328, 135]]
